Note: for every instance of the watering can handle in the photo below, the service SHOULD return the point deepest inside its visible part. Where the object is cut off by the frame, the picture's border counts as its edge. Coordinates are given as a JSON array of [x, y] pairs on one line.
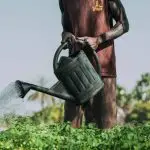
[[62, 46], [57, 53]]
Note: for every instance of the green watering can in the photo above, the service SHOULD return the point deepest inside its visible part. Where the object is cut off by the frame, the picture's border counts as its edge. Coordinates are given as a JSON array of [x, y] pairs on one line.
[[78, 80]]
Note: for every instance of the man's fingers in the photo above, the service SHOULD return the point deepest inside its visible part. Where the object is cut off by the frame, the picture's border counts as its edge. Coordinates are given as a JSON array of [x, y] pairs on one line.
[[67, 36], [80, 41], [80, 38]]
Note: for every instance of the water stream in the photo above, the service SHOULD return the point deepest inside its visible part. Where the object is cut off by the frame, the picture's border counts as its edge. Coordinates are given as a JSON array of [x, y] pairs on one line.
[[11, 103]]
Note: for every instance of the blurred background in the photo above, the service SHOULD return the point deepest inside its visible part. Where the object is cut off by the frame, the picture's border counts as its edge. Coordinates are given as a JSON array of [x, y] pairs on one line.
[[30, 33]]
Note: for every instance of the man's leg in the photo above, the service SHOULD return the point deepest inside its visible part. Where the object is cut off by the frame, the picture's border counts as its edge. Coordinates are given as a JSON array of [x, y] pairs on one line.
[[88, 113], [73, 113], [104, 105]]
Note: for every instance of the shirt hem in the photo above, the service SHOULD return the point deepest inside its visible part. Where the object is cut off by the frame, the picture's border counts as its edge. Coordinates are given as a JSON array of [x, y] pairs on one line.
[[105, 74]]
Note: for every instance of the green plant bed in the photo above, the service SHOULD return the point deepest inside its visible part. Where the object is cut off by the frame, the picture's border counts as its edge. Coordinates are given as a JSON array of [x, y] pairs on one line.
[[24, 134]]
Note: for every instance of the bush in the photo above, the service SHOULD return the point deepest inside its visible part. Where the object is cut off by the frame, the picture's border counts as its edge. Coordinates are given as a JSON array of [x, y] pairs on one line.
[[25, 135], [140, 113], [50, 114]]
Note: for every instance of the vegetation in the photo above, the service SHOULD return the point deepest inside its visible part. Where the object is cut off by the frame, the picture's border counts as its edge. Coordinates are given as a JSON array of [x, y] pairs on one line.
[[45, 130], [24, 134], [142, 88], [140, 113]]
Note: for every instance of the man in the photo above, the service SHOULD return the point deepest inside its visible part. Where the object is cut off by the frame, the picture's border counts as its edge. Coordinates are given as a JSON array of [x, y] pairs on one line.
[[92, 21]]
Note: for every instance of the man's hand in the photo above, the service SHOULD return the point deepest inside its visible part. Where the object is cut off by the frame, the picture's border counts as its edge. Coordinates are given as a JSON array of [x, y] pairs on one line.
[[90, 42], [67, 36]]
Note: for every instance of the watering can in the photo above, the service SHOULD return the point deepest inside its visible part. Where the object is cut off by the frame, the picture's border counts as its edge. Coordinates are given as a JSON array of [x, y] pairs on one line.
[[78, 81]]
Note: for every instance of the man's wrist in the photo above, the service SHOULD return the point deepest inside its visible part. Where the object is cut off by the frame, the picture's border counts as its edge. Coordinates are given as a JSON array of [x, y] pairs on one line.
[[102, 38]]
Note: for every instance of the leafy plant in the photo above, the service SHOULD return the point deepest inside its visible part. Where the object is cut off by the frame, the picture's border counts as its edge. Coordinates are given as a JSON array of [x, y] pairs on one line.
[[24, 134], [123, 97], [50, 114], [140, 113], [142, 88]]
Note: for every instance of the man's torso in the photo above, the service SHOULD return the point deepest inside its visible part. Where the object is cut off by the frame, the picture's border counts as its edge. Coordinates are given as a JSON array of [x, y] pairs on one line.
[[91, 18]]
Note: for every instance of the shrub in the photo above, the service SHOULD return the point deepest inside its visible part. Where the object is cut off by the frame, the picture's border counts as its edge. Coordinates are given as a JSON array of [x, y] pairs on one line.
[[25, 135], [140, 113]]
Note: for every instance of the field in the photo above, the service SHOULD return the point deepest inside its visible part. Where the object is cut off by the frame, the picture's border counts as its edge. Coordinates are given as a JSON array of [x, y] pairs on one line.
[[25, 134]]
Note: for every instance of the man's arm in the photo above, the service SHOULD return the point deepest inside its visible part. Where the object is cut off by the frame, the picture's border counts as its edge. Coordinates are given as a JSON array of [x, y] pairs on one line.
[[118, 13], [122, 25], [64, 18], [66, 24]]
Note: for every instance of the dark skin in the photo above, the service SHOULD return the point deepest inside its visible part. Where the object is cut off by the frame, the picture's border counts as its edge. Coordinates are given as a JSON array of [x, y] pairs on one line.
[[121, 26]]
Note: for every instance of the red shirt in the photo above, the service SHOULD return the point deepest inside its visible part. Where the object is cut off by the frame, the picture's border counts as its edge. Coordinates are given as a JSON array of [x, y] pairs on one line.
[[85, 21]]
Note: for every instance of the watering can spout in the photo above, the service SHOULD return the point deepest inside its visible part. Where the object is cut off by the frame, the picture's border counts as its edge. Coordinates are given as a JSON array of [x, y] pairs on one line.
[[57, 90], [22, 87]]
